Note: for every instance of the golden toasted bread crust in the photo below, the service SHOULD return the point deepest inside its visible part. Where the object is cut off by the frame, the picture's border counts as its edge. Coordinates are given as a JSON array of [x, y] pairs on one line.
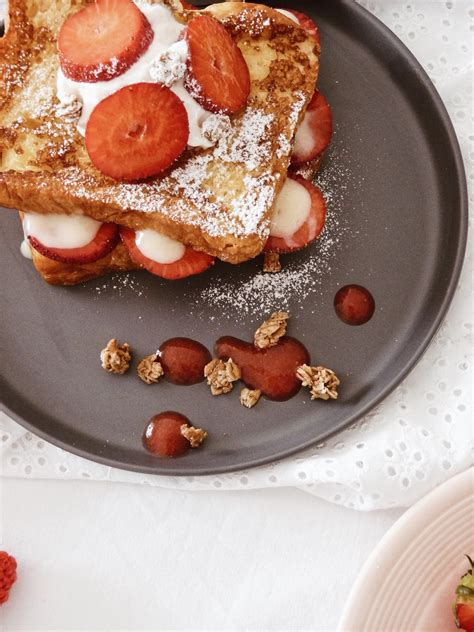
[[218, 200], [57, 273]]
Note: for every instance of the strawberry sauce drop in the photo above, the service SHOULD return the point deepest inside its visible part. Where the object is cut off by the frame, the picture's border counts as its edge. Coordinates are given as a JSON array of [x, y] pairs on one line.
[[271, 370], [183, 360], [162, 436], [354, 304]]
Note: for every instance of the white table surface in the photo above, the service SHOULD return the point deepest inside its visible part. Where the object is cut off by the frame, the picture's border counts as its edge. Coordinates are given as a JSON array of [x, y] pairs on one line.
[[105, 556], [102, 556]]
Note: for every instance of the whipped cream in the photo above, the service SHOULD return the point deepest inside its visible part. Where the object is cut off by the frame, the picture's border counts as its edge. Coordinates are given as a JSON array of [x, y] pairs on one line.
[[292, 208], [165, 42], [25, 249], [158, 247], [60, 231]]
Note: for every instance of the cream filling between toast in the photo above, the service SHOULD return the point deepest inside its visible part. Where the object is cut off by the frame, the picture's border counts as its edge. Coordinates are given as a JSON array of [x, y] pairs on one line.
[[292, 208], [158, 247], [304, 137], [60, 231], [25, 249], [166, 31]]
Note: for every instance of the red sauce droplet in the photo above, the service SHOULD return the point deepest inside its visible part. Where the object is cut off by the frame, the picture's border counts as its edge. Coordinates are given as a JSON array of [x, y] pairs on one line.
[[183, 360], [271, 370], [354, 304], [163, 437]]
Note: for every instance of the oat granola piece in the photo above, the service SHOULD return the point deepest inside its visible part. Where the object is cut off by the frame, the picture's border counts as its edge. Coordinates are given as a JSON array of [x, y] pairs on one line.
[[271, 262], [167, 69], [249, 398], [322, 381], [115, 358], [270, 331], [220, 375], [216, 126], [70, 107], [195, 436], [149, 369]]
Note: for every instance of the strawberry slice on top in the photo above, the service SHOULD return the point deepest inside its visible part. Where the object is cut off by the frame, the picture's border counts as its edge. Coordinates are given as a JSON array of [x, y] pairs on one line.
[[297, 191], [314, 134], [190, 261], [105, 240], [217, 74], [102, 40], [137, 132]]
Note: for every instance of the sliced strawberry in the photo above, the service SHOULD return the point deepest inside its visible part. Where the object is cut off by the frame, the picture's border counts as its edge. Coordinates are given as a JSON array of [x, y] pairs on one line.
[[187, 6], [102, 40], [310, 230], [314, 134], [307, 23], [192, 262], [465, 616], [217, 74], [106, 239], [137, 132]]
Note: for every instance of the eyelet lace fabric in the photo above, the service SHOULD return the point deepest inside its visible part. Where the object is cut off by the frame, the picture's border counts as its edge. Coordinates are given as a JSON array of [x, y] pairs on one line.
[[423, 433]]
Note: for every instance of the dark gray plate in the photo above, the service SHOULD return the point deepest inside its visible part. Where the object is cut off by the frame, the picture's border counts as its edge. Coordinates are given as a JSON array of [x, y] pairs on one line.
[[397, 225]]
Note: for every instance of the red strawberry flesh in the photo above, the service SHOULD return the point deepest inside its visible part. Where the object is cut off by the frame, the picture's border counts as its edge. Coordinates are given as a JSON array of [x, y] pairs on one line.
[[7, 575], [465, 616], [192, 262], [105, 240], [315, 131], [102, 40], [137, 132], [217, 74]]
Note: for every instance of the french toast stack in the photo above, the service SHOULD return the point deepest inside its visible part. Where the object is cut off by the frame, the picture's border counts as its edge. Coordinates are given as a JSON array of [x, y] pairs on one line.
[[243, 87]]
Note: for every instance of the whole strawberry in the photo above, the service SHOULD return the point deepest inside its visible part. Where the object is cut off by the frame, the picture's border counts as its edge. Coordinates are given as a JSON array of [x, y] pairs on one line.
[[464, 605], [7, 575]]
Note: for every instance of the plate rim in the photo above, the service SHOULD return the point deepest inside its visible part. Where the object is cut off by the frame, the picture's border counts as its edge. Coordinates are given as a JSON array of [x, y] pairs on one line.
[[373, 573], [451, 283]]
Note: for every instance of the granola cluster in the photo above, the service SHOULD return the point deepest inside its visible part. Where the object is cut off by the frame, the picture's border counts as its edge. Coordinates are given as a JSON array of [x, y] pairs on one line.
[[249, 398], [195, 436], [322, 382], [271, 330], [149, 369], [115, 358], [271, 262], [221, 375]]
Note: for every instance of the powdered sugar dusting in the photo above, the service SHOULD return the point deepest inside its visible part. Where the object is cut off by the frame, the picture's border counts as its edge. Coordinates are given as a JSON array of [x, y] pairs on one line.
[[120, 283], [251, 145], [216, 126], [168, 68], [302, 274], [196, 194]]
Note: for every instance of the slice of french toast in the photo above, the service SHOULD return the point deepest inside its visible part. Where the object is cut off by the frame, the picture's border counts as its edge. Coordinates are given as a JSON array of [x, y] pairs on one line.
[[118, 260], [218, 200]]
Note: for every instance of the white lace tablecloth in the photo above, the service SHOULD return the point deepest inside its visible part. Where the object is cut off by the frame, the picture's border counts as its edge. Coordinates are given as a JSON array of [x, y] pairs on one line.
[[423, 433]]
